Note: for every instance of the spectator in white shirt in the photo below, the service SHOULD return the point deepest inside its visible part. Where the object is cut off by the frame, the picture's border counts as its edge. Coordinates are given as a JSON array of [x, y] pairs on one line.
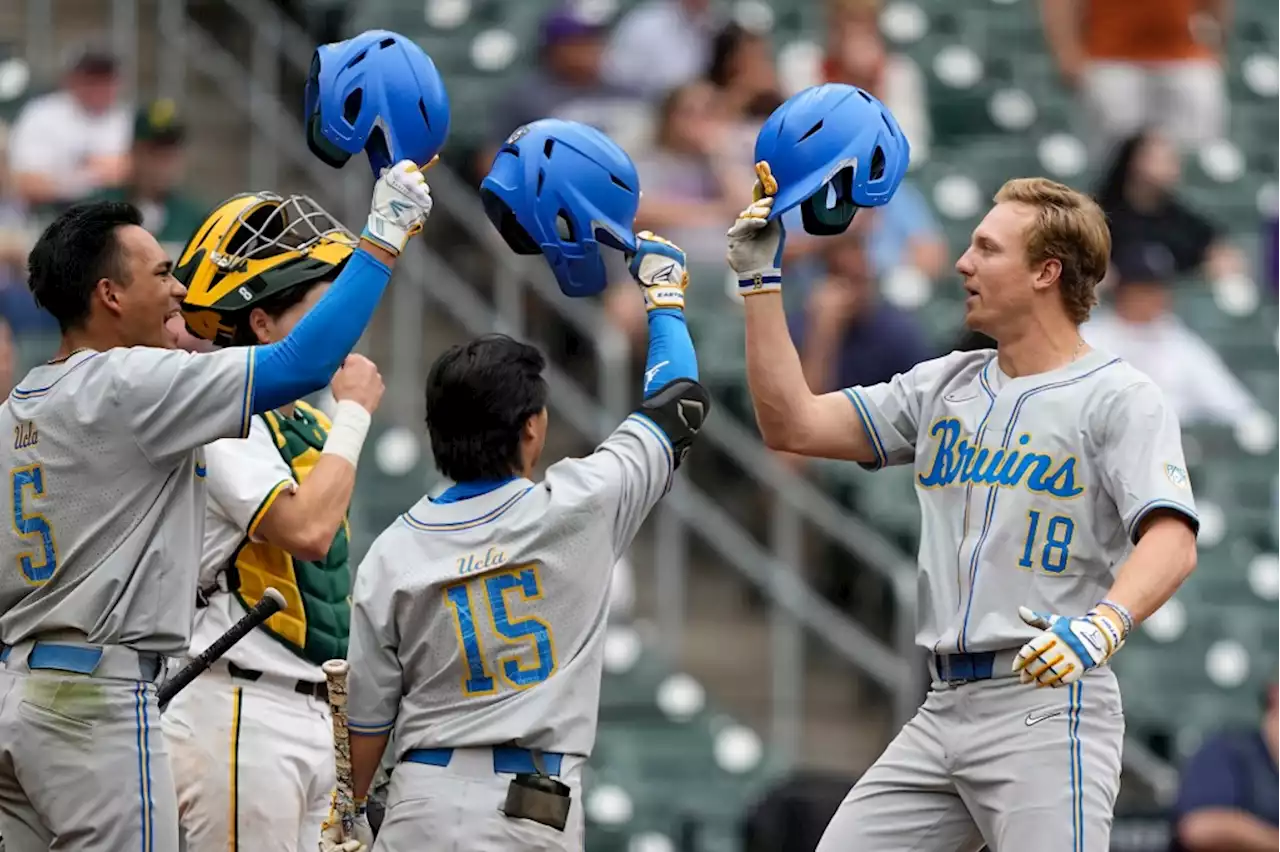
[[72, 142], [1141, 328], [661, 44]]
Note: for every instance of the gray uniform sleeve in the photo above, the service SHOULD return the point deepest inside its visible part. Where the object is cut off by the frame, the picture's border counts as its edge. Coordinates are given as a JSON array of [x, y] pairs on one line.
[[376, 677], [1141, 459], [174, 401], [890, 412], [625, 477]]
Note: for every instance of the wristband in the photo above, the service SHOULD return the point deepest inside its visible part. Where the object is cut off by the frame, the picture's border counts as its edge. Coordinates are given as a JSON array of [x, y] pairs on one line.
[[1126, 617], [348, 430], [760, 282]]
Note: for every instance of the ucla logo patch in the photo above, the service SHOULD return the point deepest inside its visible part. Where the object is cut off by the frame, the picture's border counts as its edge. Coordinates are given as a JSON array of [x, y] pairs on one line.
[[1177, 476], [957, 461]]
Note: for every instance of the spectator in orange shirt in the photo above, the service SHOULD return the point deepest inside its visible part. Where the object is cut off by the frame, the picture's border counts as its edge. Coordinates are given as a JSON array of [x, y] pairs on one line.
[[1143, 63]]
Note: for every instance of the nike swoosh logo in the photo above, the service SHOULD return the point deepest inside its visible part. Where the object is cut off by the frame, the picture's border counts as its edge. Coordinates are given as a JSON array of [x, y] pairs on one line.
[[1036, 718], [954, 397]]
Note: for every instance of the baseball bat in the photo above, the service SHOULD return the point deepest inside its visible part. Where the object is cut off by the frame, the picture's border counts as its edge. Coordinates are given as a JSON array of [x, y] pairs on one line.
[[335, 673], [271, 603]]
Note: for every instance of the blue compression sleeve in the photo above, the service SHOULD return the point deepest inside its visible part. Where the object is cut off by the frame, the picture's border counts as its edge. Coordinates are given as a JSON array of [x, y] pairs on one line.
[[306, 360], [671, 354]]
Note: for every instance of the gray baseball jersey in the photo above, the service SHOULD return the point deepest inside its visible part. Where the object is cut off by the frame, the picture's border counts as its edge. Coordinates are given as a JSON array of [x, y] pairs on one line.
[[1031, 489], [107, 493], [480, 622]]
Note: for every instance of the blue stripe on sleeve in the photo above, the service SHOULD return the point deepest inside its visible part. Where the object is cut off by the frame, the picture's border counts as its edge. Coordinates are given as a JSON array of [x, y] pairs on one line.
[[671, 354], [306, 360]]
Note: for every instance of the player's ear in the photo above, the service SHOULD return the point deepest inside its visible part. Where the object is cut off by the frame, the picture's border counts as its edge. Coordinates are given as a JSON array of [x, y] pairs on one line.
[[261, 325], [1048, 273], [108, 293]]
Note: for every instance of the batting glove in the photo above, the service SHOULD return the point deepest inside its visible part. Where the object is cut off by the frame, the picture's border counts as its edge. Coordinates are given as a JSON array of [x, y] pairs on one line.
[[401, 204], [1068, 646], [755, 243], [659, 268], [334, 839]]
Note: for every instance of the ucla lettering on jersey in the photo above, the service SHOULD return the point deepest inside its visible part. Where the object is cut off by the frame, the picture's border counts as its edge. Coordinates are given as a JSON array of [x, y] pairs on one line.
[[959, 461]]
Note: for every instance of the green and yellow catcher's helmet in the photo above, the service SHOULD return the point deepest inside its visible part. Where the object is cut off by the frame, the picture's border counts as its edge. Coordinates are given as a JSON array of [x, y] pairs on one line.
[[252, 247]]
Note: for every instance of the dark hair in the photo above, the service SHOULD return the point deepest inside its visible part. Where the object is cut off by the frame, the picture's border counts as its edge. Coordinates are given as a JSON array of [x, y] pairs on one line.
[[1110, 194], [479, 396], [78, 249], [724, 48]]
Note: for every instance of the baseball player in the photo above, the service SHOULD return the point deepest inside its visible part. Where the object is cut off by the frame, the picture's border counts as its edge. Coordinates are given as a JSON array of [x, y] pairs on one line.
[[1056, 512], [478, 617], [107, 510], [251, 741]]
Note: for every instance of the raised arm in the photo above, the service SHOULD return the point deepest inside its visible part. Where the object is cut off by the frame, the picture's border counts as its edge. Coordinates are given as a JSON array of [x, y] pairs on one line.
[[791, 417], [307, 358]]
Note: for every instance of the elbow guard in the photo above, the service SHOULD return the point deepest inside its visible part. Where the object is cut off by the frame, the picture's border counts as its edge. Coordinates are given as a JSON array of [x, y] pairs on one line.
[[679, 409]]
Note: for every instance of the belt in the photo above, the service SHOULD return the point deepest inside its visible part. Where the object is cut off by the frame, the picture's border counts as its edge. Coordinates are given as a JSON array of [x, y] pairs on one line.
[[981, 665], [104, 661], [313, 689], [508, 759]]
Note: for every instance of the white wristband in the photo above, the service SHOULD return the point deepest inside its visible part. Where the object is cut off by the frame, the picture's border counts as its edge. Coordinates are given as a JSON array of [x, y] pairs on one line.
[[348, 430]]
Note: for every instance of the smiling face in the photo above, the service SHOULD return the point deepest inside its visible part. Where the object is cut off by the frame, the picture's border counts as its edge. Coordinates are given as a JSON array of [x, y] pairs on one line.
[[145, 302], [1000, 284]]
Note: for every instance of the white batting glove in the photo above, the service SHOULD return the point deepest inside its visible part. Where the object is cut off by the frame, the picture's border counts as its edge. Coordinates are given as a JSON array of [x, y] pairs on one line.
[[333, 839], [659, 268], [755, 244], [401, 204], [1067, 648]]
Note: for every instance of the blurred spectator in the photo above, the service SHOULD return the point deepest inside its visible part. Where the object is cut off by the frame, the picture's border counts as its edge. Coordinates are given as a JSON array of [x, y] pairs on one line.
[[857, 55], [746, 78], [846, 334], [17, 234], [1228, 798], [1141, 63], [692, 192], [8, 362], [661, 44], [904, 232], [156, 174], [567, 84], [1137, 194], [69, 143], [1142, 328]]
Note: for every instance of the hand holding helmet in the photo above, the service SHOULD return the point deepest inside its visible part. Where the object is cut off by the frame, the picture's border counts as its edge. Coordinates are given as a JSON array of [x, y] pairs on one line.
[[757, 238], [401, 204]]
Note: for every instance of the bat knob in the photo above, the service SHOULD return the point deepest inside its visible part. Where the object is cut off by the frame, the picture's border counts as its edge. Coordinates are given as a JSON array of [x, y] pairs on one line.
[[335, 667], [275, 596]]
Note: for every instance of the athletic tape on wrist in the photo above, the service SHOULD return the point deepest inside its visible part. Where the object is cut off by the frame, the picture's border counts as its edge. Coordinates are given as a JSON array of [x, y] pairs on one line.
[[761, 282], [348, 430]]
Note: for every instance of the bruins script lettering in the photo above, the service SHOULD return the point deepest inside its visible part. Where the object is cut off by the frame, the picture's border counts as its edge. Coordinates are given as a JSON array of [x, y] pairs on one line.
[[958, 462]]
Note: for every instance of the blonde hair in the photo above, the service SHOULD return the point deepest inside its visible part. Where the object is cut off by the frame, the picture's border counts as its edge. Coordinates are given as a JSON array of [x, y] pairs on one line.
[[1070, 228]]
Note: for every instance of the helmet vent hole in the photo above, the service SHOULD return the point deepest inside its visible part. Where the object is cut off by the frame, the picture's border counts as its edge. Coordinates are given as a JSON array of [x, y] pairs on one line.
[[422, 108], [351, 106], [617, 181], [547, 147], [811, 131], [542, 177], [877, 164], [866, 97], [888, 125], [385, 43], [564, 227], [357, 59]]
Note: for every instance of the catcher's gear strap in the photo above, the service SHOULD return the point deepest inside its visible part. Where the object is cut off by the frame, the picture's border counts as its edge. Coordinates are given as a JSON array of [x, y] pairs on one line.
[[679, 409]]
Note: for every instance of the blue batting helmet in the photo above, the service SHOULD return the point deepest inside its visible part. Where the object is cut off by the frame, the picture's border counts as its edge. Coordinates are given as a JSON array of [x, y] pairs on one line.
[[377, 92], [562, 188], [832, 149]]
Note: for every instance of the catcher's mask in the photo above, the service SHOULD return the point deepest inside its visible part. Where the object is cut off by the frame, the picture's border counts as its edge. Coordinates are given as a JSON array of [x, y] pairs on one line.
[[252, 247]]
